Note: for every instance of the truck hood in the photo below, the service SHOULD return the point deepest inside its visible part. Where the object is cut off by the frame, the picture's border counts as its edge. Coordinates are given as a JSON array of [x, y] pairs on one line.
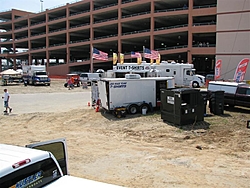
[[203, 77], [71, 181], [42, 76]]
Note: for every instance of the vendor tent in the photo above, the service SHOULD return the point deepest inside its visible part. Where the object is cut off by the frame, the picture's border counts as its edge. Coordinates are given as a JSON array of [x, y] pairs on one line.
[[10, 72]]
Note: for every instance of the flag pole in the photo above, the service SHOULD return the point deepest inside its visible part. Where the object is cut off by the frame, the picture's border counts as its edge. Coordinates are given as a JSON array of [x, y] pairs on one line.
[[91, 59]]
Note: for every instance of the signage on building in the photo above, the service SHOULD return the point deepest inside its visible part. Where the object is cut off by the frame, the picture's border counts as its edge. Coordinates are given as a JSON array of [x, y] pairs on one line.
[[131, 67]]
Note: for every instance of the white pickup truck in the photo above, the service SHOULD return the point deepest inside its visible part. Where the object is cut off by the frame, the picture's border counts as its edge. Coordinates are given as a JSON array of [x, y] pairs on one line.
[[45, 165]]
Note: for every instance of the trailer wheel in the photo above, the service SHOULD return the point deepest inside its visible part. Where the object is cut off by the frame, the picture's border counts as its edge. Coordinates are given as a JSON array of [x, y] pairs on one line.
[[144, 106], [195, 84], [133, 109]]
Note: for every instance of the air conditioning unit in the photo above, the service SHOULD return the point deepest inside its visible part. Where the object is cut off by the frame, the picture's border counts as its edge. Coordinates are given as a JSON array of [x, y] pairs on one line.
[[132, 76]]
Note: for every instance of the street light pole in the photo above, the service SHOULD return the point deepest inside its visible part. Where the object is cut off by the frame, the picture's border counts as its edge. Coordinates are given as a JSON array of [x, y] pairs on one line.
[[41, 5]]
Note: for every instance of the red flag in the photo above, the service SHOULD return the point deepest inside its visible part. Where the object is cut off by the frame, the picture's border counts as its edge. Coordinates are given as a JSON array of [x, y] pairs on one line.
[[241, 70], [217, 70]]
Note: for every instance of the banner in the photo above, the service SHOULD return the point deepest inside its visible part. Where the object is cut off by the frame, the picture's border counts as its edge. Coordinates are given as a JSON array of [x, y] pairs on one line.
[[158, 61], [114, 58], [139, 60], [151, 61], [121, 58], [241, 70], [217, 70]]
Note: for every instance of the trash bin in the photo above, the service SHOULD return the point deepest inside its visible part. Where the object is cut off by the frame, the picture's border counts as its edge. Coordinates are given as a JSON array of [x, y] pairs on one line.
[[204, 95], [216, 102], [209, 77], [182, 106]]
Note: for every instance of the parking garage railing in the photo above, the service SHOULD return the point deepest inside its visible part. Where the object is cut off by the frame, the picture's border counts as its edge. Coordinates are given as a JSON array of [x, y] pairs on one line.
[[136, 14], [100, 21], [205, 6], [106, 6], [129, 1], [81, 12], [75, 26]]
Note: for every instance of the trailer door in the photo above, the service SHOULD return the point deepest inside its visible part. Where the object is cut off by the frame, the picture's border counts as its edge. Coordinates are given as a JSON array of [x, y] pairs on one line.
[[103, 88]]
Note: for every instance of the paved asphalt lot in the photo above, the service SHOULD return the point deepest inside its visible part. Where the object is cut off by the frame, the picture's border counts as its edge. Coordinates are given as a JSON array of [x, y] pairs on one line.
[[49, 102]]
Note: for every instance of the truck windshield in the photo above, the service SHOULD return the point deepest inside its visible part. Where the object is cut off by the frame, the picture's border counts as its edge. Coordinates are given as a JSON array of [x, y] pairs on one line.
[[189, 72], [35, 175], [41, 73], [244, 91], [193, 71]]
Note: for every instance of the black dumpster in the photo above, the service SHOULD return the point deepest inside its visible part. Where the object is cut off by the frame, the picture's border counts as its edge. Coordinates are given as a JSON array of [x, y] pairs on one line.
[[182, 106], [216, 102]]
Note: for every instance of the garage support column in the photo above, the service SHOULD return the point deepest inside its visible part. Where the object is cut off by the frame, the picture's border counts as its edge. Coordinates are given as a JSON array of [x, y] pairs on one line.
[[67, 37], [152, 26], [190, 33], [119, 47], [30, 59], [47, 40], [91, 36]]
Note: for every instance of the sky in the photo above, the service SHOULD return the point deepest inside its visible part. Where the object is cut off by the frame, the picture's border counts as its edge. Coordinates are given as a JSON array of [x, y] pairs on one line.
[[32, 5]]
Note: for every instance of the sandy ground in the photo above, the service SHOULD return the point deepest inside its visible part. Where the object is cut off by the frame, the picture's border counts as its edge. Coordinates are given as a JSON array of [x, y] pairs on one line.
[[139, 150]]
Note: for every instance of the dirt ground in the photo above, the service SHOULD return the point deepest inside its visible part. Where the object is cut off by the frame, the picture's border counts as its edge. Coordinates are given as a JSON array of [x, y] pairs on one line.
[[139, 150]]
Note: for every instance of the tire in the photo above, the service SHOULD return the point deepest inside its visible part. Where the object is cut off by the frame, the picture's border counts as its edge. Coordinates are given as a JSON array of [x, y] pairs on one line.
[[78, 84], [145, 106], [66, 85], [133, 109], [195, 84], [48, 84]]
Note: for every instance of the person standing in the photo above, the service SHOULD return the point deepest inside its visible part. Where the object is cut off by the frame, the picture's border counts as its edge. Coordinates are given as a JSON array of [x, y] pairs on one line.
[[6, 99]]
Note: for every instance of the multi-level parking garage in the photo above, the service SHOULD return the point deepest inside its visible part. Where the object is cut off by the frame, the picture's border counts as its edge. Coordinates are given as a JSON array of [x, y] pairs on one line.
[[62, 37]]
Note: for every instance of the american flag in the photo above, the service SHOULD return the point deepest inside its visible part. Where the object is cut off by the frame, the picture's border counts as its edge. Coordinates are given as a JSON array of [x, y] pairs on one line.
[[135, 55], [97, 54], [151, 54]]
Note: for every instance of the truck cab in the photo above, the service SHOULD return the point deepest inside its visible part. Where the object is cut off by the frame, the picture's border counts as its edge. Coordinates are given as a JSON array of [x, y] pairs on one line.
[[35, 74], [38, 165], [183, 73]]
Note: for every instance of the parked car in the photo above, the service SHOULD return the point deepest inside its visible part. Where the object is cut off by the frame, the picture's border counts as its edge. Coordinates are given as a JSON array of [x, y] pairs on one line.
[[75, 78], [89, 77]]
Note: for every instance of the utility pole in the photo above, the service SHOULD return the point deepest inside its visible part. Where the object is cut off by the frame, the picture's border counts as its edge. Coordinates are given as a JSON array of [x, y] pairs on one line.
[[41, 5]]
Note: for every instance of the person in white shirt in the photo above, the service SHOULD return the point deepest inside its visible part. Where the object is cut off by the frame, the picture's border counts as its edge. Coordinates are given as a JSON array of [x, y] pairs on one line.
[[6, 99]]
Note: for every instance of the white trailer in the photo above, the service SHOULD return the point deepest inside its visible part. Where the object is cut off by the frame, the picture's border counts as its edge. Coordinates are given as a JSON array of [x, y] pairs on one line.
[[183, 73], [134, 93]]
